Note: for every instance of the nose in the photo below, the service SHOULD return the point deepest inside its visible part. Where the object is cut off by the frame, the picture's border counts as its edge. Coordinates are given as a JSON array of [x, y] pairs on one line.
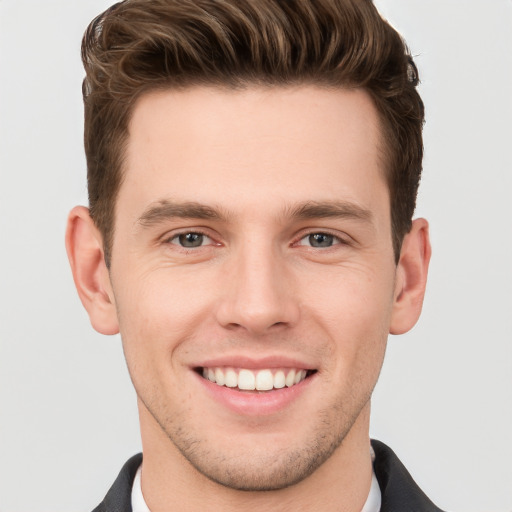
[[258, 293]]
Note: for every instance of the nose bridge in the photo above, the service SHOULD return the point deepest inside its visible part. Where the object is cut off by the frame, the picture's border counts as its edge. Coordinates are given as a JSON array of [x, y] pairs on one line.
[[259, 292]]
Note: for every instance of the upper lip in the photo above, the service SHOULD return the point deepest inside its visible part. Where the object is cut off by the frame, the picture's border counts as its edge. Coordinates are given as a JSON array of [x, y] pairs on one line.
[[255, 363]]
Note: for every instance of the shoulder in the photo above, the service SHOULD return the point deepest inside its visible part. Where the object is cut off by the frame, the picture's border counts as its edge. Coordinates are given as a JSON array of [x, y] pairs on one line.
[[399, 491], [118, 498]]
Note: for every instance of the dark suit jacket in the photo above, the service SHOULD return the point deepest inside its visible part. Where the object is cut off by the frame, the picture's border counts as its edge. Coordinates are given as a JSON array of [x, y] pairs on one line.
[[399, 491]]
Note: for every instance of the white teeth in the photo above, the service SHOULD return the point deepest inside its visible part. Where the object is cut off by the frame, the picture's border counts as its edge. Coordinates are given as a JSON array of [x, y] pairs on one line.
[[246, 380], [231, 378], [290, 379], [219, 377], [264, 380], [250, 380], [279, 380]]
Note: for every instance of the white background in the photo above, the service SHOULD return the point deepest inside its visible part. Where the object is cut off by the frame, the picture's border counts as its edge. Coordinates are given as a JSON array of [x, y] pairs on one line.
[[67, 409]]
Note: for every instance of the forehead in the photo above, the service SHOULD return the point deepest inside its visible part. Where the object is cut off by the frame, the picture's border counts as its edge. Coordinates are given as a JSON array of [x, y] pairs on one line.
[[280, 144]]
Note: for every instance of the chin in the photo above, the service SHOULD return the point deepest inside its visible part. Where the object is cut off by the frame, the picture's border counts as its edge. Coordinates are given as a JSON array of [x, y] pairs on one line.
[[265, 462], [264, 471]]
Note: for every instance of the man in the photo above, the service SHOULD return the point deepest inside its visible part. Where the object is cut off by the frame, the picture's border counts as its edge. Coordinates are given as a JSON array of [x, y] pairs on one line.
[[252, 171]]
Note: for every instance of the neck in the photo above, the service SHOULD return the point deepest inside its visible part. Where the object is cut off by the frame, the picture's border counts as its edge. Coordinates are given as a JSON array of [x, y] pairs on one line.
[[170, 482]]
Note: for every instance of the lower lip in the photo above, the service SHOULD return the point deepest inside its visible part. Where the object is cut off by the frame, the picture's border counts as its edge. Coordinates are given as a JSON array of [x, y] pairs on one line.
[[254, 403]]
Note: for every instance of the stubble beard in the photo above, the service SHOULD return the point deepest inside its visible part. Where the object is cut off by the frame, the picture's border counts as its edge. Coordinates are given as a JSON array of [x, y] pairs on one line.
[[262, 468]]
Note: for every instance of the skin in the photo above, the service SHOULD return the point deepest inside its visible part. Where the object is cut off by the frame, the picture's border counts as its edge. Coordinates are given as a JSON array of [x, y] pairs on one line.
[[253, 288]]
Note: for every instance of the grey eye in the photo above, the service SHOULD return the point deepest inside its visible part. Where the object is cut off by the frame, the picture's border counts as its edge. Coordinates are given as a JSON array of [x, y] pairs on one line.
[[321, 240], [190, 240]]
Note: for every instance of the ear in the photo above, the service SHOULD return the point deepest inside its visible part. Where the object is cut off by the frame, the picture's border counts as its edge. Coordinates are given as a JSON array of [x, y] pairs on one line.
[[411, 278], [84, 246]]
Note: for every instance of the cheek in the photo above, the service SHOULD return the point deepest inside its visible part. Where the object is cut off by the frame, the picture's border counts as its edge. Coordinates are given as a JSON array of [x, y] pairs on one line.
[[354, 310], [157, 312], [352, 298]]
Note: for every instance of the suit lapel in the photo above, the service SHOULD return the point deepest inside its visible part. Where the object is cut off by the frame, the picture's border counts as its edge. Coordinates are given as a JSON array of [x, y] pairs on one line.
[[400, 493]]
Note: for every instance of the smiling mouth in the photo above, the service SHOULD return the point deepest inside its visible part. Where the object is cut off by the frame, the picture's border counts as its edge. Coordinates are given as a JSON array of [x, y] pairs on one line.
[[255, 380]]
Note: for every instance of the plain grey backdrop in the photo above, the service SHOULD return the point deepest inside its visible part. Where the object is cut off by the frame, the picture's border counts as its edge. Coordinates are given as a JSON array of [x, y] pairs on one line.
[[67, 409]]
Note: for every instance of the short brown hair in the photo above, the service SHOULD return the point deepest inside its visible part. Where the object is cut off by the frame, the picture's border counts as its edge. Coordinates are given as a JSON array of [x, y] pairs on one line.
[[138, 46]]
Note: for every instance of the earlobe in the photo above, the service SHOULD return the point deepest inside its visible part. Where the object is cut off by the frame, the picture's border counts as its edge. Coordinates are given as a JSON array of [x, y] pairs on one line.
[[85, 252], [411, 278]]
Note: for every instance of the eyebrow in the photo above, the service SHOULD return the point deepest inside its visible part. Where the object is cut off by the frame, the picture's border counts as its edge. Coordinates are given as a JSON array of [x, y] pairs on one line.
[[165, 210], [330, 209]]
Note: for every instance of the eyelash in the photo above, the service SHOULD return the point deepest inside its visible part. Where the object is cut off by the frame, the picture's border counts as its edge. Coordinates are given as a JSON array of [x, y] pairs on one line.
[[176, 236], [337, 240]]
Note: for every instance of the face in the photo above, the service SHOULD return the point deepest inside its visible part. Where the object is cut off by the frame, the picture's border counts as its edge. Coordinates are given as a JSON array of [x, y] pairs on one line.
[[253, 276]]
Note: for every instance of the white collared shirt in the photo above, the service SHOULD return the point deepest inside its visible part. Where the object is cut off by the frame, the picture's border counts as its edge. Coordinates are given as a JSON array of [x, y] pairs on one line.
[[138, 501]]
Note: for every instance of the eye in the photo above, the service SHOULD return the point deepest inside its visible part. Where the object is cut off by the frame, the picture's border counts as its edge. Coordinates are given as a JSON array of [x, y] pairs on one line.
[[319, 240], [191, 240]]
